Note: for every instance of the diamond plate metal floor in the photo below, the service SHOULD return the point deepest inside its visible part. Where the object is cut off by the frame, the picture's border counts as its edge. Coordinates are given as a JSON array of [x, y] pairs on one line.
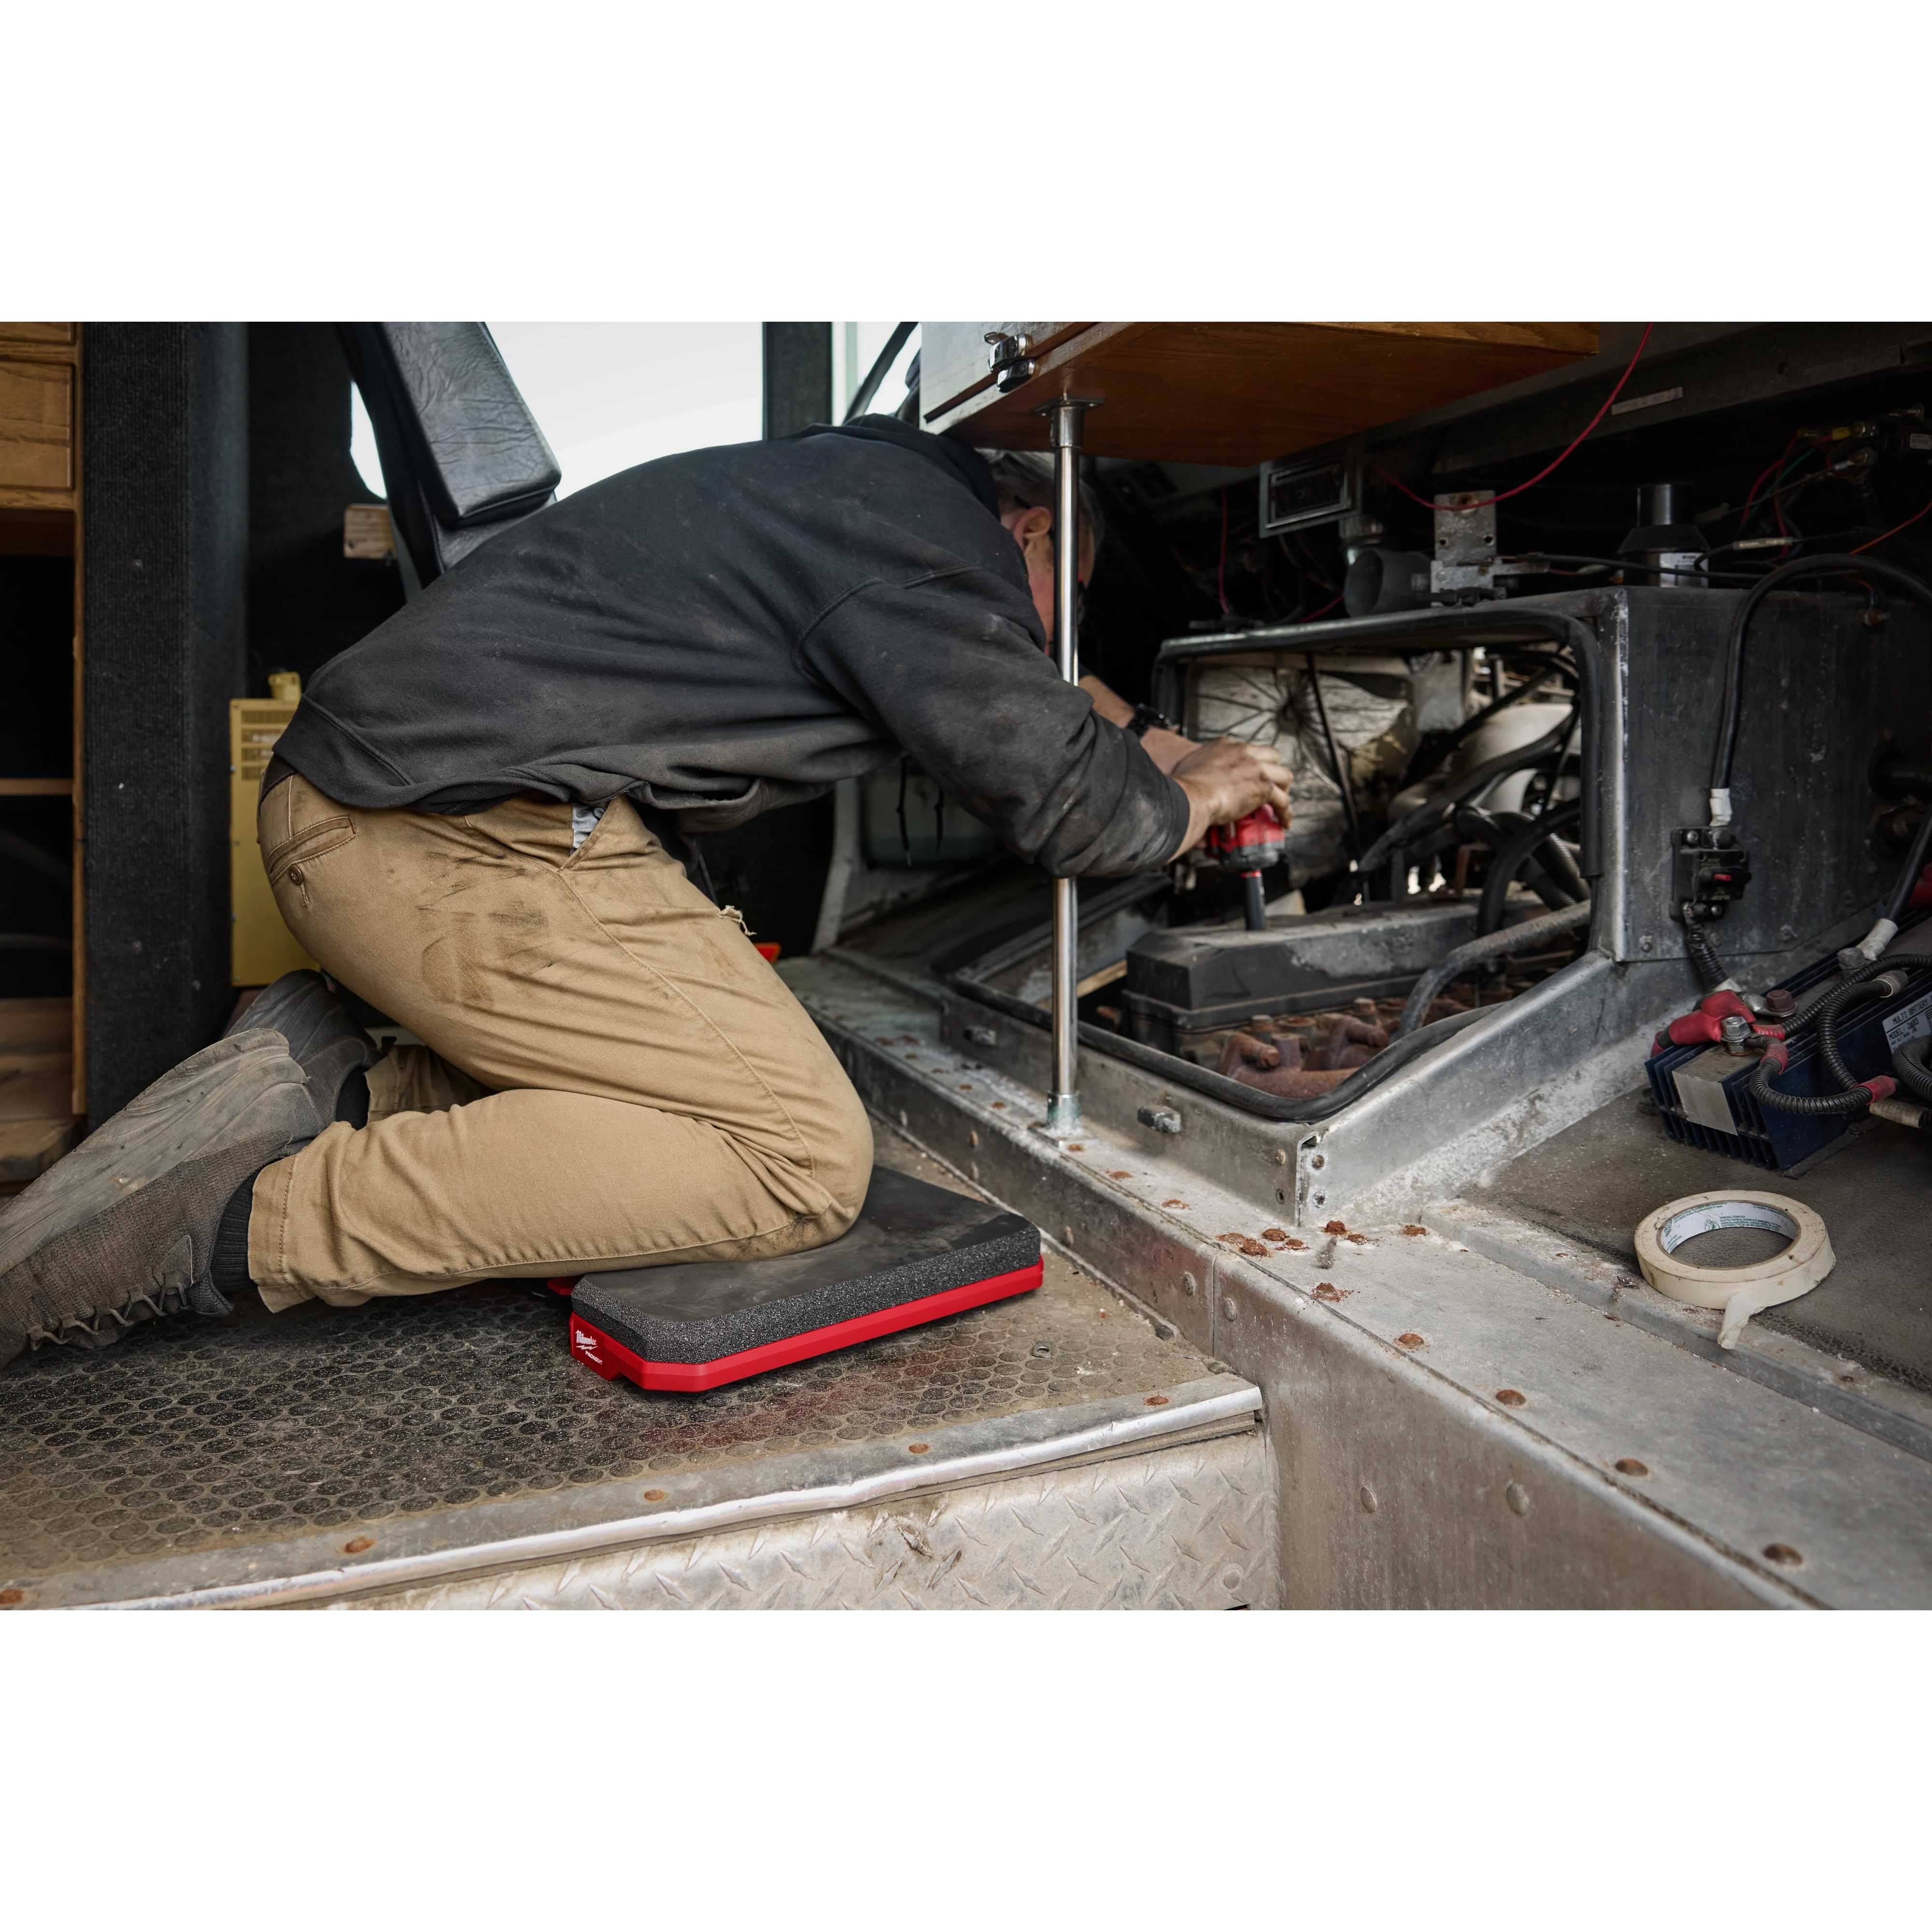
[[180, 1457], [1187, 1529]]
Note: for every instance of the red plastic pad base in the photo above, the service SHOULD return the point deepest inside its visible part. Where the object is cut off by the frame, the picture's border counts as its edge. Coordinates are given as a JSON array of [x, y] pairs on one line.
[[610, 1359]]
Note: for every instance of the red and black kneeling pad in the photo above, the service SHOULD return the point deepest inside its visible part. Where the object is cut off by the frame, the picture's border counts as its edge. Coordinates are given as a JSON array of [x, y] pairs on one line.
[[915, 1253]]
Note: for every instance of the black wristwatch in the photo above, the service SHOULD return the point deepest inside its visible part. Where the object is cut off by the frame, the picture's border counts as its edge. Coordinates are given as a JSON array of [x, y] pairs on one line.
[[1146, 717]]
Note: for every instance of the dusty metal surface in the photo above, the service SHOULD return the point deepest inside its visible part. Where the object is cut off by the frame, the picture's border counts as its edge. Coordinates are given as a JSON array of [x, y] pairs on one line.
[[1189, 1527], [1594, 1181], [197, 1443], [1407, 1476]]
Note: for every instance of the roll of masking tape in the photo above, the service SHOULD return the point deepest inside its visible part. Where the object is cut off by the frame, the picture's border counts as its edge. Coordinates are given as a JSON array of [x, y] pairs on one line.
[[1741, 1292]]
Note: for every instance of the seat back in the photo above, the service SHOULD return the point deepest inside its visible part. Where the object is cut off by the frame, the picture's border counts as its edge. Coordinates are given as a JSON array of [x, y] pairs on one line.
[[463, 458]]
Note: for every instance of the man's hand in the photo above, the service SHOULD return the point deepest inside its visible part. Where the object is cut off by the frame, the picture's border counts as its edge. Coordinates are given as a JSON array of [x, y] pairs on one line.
[[1226, 780]]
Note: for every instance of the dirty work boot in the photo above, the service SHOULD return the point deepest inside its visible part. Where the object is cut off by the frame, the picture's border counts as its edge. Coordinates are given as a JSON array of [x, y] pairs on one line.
[[323, 1038], [123, 1228]]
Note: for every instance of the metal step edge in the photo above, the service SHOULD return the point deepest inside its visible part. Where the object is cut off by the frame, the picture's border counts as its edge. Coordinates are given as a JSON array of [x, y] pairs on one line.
[[493, 1536]]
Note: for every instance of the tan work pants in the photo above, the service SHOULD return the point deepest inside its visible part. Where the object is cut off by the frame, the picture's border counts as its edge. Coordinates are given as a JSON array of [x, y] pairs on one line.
[[660, 1096]]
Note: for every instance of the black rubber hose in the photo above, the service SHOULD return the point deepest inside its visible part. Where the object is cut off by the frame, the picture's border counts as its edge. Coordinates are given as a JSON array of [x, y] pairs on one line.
[[1857, 1097], [1734, 648], [1344, 783], [1704, 961], [1523, 938], [1908, 877], [1537, 837], [1909, 1069], [1475, 722], [1452, 795], [1762, 1091], [1828, 1012]]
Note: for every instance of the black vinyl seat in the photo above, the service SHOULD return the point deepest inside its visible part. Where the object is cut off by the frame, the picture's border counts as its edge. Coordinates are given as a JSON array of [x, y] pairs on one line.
[[463, 458]]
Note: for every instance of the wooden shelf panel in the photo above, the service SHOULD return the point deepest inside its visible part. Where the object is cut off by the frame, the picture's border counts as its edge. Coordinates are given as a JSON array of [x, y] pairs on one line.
[[1240, 393]]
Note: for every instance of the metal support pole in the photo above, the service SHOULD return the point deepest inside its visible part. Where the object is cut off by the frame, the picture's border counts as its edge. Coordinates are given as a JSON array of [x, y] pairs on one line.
[[1063, 418]]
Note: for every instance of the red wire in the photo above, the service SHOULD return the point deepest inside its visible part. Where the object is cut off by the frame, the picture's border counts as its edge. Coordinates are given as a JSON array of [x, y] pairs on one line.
[[1892, 532], [1466, 509], [1325, 609]]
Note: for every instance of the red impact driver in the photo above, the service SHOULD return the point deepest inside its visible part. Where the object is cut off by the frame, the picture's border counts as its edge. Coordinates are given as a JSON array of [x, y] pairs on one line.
[[1250, 846]]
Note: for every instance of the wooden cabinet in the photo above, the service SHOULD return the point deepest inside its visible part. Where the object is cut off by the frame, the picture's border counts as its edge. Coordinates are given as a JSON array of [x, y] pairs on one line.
[[41, 1071], [1235, 393]]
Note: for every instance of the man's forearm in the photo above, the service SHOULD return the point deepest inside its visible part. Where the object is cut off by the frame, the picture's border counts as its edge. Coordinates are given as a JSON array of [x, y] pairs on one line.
[[1225, 781], [1166, 748]]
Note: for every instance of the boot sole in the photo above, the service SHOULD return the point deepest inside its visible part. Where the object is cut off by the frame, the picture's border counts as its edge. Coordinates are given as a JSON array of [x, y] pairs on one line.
[[81, 1242]]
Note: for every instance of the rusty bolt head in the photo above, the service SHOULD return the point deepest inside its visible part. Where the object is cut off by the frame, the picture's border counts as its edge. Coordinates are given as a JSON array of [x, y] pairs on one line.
[[918, 1448], [1410, 1340], [1326, 1291], [356, 1545], [1335, 1228], [1517, 1497], [1784, 1553], [1156, 1401], [1318, 1160], [1628, 1465], [654, 1496], [1512, 1398], [1119, 1173]]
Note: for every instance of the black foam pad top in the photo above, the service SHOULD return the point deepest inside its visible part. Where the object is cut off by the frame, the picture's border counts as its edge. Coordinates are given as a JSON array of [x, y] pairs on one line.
[[911, 1240]]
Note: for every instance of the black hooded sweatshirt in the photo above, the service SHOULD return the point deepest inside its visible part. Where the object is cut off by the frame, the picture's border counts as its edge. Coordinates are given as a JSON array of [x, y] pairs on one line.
[[718, 633]]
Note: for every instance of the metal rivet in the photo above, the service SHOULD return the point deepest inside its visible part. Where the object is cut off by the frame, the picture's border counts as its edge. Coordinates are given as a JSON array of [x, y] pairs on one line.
[[1042, 1347], [1628, 1465], [1511, 1398], [1318, 1160], [1156, 1401], [1517, 1497], [1783, 1552], [1230, 1579], [902, 1116], [1066, 1235], [972, 1137], [1164, 1331], [356, 1545], [1189, 1285], [654, 1496], [1410, 1340], [1227, 1307], [1279, 1156], [1369, 1501]]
